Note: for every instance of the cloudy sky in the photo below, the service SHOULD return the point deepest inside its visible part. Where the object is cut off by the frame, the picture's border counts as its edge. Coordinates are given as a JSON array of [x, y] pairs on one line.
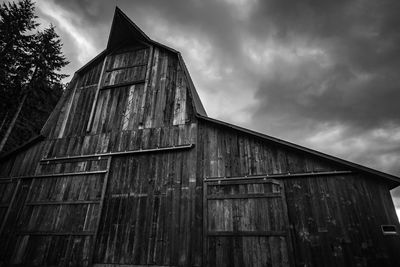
[[322, 74]]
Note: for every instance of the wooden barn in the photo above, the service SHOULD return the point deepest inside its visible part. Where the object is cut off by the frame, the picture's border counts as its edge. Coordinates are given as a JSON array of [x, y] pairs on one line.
[[130, 171]]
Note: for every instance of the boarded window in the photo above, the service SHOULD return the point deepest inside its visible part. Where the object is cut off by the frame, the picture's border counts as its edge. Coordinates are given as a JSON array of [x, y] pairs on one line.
[[389, 229]]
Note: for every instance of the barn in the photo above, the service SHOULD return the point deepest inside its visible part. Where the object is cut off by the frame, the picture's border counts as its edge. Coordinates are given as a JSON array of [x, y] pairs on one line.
[[130, 171]]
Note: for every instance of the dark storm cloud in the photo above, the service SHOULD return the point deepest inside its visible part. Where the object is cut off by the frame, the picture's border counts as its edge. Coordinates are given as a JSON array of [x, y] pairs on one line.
[[336, 93], [361, 84], [213, 21]]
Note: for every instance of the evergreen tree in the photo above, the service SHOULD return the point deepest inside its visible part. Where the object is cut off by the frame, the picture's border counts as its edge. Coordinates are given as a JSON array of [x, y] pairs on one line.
[[16, 21], [30, 82]]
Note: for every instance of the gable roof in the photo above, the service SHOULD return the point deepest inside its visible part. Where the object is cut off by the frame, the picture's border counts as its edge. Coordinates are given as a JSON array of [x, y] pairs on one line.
[[34, 140]]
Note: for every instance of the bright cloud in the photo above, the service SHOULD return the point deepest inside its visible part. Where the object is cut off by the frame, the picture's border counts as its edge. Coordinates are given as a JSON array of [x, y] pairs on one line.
[[86, 50]]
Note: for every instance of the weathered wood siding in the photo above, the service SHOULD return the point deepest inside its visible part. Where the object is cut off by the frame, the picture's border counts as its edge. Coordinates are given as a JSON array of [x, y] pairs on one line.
[[24, 163], [57, 210], [246, 223], [335, 220], [72, 112], [229, 153], [133, 99], [13, 189], [149, 205], [140, 87]]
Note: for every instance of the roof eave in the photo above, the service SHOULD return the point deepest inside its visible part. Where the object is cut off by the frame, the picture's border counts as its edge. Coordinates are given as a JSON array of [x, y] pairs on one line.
[[22, 147]]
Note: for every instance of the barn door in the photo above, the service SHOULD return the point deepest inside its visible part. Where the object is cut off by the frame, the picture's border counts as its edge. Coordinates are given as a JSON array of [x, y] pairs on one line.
[[246, 223], [55, 214]]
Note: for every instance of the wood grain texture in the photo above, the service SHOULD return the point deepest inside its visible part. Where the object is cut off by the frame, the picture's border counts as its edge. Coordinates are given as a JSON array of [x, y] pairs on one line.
[[49, 211], [335, 220], [134, 110], [146, 211], [246, 231], [229, 153], [339, 218]]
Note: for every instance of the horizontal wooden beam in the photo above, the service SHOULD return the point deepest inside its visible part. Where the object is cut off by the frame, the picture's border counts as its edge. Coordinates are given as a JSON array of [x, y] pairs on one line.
[[244, 196], [132, 195], [121, 84], [54, 233], [100, 155], [128, 265], [60, 174], [246, 233], [78, 202], [228, 181], [126, 67], [116, 52], [273, 176]]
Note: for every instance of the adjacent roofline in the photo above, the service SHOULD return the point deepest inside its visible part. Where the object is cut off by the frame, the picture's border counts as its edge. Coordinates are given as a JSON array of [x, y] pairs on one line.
[[198, 105], [351, 165], [22, 147], [93, 60]]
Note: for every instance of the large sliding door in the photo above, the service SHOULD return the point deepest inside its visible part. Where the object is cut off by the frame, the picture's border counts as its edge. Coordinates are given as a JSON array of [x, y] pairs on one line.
[[53, 216]]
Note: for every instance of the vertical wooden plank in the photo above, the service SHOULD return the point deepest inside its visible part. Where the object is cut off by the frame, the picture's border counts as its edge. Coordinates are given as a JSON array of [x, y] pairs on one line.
[[152, 90], [160, 103], [220, 153], [5, 218], [289, 236], [228, 217], [103, 192], [180, 98], [89, 125], [129, 108], [213, 151], [142, 118], [205, 226]]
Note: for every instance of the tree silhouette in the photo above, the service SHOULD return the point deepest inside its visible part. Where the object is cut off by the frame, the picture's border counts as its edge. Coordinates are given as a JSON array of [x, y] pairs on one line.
[[30, 82]]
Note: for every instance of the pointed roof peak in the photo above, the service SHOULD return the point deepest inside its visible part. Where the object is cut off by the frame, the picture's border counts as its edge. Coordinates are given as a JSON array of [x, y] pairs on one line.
[[121, 27], [122, 23]]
